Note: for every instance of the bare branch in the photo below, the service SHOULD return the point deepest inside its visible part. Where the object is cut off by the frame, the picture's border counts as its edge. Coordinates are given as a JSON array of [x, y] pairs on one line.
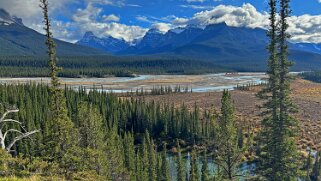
[[18, 138], [10, 120], [11, 130], [8, 112]]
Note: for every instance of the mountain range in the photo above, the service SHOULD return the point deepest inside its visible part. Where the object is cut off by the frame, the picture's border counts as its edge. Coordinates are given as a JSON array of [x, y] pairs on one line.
[[217, 43], [219, 38]]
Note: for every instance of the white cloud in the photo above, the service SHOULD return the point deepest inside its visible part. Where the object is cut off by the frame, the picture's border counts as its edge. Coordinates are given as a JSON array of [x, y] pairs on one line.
[[82, 20], [119, 3], [30, 8], [134, 5], [61, 30], [14, 7], [180, 21], [195, 6], [111, 17], [116, 30], [31, 15], [88, 20], [305, 28], [87, 15], [153, 19], [319, 1], [162, 27], [246, 16], [143, 19]]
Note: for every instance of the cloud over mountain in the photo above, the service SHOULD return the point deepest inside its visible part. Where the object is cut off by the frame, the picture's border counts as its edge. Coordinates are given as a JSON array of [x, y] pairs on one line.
[[305, 28], [91, 19], [111, 17]]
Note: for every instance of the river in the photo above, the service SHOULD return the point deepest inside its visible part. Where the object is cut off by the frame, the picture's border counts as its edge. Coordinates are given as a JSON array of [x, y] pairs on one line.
[[244, 170], [198, 83]]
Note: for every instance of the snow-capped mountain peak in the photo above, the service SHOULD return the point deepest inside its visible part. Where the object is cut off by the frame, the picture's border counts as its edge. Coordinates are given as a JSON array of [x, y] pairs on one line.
[[108, 43], [154, 31], [178, 30]]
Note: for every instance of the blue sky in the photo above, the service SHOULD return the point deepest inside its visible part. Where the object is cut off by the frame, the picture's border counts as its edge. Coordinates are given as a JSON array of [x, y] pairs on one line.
[[157, 9], [131, 19]]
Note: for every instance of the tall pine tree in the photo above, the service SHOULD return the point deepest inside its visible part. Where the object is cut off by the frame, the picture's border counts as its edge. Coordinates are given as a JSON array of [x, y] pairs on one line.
[[152, 160], [129, 154], [194, 175], [228, 154], [180, 165], [165, 168], [278, 157], [60, 138], [205, 173], [91, 136]]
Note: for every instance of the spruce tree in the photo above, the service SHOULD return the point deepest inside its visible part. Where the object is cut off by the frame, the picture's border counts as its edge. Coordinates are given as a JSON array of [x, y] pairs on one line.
[[145, 156], [279, 157], [180, 165], [114, 153], [91, 136], [270, 94], [152, 166], [129, 154], [159, 167], [90, 126], [228, 154], [165, 168], [288, 124], [60, 138], [194, 175], [139, 167], [205, 173]]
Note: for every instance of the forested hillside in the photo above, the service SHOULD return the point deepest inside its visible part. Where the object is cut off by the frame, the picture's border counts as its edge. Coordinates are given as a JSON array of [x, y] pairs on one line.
[[100, 66], [120, 124], [312, 76]]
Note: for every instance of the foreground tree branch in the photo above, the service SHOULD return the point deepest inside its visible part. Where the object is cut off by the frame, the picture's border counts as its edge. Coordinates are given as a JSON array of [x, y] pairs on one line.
[[11, 130], [6, 113], [18, 138], [3, 133], [10, 120]]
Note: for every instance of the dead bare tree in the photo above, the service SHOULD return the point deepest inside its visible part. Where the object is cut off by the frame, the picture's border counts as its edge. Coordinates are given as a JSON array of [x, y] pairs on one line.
[[4, 133]]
